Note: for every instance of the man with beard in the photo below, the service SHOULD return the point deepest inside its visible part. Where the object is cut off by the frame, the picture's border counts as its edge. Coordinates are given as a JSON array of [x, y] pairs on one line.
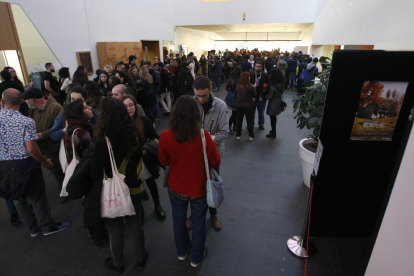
[[260, 80], [52, 86], [44, 113], [132, 61]]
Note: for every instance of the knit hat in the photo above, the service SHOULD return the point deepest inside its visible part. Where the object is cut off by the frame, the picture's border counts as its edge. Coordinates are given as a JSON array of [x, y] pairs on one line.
[[32, 93]]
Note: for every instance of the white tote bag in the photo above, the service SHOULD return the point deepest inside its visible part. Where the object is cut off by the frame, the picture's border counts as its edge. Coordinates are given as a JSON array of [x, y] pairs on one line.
[[70, 169], [115, 198], [62, 155]]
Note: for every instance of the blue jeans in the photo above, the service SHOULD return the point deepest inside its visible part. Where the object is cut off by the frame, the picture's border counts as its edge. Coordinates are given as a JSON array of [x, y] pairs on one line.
[[292, 80], [260, 105], [216, 82], [157, 109], [10, 206], [134, 225], [198, 215]]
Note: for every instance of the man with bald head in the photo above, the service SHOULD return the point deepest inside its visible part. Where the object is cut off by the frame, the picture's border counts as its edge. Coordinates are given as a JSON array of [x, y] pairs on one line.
[[20, 167], [120, 90]]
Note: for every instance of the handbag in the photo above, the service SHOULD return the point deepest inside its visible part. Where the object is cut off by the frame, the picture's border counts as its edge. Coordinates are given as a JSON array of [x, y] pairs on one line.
[[215, 190], [70, 169], [62, 156], [115, 198]]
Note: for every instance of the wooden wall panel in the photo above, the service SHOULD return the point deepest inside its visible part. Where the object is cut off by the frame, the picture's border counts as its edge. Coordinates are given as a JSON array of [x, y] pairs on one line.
[[113, 52], [7, 30], [153, 49]]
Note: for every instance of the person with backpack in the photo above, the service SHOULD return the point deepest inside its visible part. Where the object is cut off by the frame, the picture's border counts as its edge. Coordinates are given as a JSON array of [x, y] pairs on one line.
[[185, 80], [311, 71], [302, 68]]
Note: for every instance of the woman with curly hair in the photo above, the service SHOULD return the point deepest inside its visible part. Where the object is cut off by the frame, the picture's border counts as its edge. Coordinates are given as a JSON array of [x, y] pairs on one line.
[[181, 147], [116, 124]]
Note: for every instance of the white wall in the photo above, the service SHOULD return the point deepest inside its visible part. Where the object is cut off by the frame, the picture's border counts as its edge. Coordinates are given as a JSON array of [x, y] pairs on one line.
[[383, 23], [392, 254], [76, 25], [198, 41], [194, 12]]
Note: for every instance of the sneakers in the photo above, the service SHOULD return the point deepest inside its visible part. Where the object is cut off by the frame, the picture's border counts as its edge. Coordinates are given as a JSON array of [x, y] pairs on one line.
[[160, 212], [110, 264], [35, 233], [143, 263], [251, 138], [59, 226], [205, 256], [182, 258], [238, 137], [189, 223], [215, 222]]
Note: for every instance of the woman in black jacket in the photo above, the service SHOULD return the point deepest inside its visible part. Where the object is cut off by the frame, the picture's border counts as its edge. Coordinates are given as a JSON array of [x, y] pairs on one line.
[[231, 88], [115, 123], [185, 80], [145, 131], [147, 93], [277, 87]]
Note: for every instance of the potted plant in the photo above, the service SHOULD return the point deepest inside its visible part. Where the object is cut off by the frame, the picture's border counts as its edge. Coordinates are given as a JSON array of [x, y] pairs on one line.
[[309, 110]]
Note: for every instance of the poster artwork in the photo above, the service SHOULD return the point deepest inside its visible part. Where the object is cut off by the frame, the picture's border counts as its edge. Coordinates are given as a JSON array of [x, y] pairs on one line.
[[378, 110]]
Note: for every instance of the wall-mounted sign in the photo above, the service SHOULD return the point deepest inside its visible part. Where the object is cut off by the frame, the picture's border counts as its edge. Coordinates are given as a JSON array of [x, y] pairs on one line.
[[378, 110]]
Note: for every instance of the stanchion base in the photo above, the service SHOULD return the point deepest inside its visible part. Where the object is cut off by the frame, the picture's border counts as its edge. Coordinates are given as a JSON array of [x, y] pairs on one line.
[[294, 245]]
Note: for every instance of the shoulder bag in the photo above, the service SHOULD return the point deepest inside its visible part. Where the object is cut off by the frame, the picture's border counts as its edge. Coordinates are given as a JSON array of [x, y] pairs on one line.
[[115, 197], [69, 169], [215, 190]]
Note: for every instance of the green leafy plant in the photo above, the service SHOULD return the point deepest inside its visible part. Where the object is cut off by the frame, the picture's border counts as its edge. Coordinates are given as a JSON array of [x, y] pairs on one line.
[[309, 106]]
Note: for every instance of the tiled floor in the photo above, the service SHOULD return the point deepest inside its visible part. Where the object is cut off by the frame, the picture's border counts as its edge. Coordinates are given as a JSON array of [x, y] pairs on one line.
[[264, 205]]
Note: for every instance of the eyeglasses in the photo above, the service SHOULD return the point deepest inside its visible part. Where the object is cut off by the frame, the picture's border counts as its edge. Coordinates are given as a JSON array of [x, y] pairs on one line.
[[201, 96]]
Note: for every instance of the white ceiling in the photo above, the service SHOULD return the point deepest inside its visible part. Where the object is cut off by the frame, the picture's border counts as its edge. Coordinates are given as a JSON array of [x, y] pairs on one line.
[[270, 27]]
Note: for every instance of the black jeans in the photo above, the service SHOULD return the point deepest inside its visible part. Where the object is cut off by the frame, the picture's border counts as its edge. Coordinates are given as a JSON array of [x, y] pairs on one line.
[[233, 119], [241, 112], [273, 120], [116, 233], [97, 231], [152, 186]]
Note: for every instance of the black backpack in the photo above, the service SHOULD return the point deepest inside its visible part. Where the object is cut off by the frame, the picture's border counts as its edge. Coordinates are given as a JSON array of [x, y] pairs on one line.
[[188, 81]]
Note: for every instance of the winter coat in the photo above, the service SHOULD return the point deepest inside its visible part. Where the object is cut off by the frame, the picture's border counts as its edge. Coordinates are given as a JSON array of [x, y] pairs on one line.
[[275, 99], [183, 75], [217, 68], [246, 66], [311, 72], [215, 121], [292, 64], [156, 80], [56, 132], [147, 94], [281, 65], [262, 87], [83, 142], [165, 81], [245, 97]]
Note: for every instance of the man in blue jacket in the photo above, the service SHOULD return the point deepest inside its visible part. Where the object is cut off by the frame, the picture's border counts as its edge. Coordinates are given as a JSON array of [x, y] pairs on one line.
[[245, 65], [217, 71]]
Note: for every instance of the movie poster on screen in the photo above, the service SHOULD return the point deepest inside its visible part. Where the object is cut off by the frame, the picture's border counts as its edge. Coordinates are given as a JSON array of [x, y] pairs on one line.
[[378, 110]]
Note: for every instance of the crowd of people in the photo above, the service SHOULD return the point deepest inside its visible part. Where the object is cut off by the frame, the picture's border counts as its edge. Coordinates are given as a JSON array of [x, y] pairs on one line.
[[76, 118]]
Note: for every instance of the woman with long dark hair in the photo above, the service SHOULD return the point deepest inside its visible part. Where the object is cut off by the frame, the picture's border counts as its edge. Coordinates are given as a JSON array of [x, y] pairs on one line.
[[94, 95], [13, 74], [245, 105], [79, 77], [203, 64], [145, 131], [83, 69], [277, 87], [231, 88], [64, 79], [116, 124], [103, 83], [181, 147]]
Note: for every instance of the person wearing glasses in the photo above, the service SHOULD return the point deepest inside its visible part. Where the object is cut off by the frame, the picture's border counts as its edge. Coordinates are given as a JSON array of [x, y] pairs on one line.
[[214, 120]]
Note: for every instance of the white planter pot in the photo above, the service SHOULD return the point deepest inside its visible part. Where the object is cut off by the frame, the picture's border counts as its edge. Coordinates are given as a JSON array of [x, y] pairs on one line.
[[308, 158]]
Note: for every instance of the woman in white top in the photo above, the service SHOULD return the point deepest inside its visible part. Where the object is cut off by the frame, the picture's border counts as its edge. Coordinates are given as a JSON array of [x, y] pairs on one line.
[[190, 62], [64, 79]]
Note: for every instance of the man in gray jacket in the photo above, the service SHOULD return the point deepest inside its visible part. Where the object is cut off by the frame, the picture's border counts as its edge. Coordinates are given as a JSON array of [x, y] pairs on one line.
[[214, 116]]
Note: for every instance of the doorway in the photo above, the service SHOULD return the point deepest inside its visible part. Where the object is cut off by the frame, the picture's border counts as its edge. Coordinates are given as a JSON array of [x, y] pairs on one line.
[[150, 49]]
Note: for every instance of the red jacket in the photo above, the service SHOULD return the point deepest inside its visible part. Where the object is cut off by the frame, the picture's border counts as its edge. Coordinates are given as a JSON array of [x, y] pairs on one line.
[[188, 174]]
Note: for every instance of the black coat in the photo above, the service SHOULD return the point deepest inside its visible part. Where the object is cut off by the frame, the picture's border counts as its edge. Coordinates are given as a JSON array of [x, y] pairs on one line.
[[262, 88], [184, 74]]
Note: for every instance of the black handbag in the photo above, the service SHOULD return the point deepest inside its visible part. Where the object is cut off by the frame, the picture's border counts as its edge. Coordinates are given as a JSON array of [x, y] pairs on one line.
[[283, 106]]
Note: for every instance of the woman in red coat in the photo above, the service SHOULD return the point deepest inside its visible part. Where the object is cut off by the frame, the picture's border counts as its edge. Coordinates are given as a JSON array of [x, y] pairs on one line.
[[181, 147]]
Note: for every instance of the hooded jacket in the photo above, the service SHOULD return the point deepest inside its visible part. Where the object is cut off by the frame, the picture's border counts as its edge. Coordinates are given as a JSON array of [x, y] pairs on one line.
[[311, 72], [216, 122]]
